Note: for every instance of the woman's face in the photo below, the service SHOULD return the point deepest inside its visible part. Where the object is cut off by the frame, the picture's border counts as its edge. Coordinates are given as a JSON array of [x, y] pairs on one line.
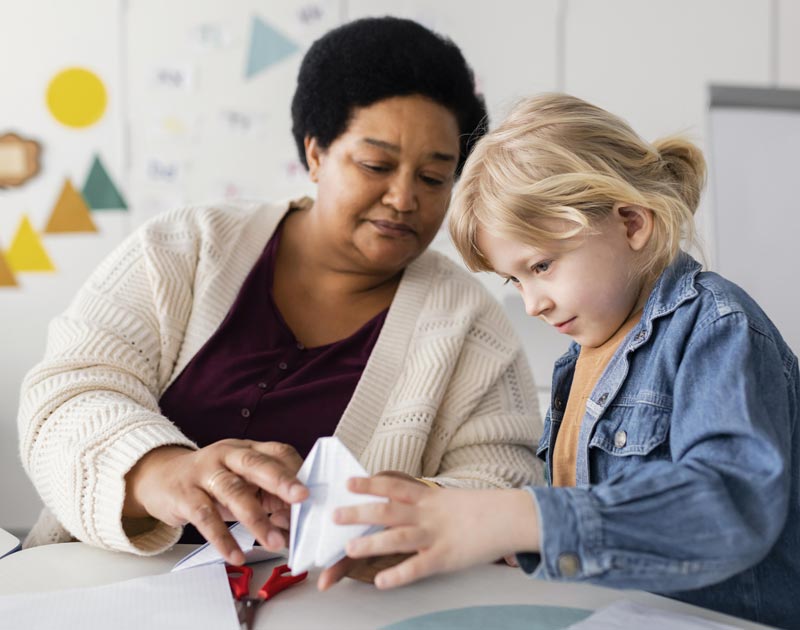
[[384, 184]]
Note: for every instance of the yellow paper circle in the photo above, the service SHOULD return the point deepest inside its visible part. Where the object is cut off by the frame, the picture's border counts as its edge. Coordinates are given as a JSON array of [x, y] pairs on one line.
[[76, 97]]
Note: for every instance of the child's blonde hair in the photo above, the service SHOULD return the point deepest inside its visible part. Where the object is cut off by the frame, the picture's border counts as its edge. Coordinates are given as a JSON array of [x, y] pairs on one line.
[[558, 157]]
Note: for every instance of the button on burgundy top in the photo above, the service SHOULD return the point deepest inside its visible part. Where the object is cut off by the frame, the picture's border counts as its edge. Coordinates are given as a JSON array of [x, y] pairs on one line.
[[254, 380]]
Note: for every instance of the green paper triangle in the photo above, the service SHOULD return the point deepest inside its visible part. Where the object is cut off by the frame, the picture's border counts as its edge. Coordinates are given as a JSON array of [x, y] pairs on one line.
[[99, 191], [267, 47]]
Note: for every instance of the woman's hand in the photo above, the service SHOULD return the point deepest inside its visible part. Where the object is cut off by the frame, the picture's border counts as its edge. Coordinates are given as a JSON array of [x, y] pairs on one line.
[[251, 482], [446, 530]]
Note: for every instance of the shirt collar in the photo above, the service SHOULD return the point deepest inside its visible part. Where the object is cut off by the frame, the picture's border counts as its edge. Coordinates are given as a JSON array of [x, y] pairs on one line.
[[674, 286]]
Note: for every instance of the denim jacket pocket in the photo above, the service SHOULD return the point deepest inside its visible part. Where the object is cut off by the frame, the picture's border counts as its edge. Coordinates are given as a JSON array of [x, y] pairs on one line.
[[630, 431]]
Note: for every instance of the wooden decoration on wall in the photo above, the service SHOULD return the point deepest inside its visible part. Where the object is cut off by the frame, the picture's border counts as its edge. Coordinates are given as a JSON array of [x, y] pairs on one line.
[[19, 159]]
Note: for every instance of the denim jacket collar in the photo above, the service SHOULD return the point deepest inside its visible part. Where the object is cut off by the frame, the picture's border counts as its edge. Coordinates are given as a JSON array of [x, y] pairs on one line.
[[674, 286]]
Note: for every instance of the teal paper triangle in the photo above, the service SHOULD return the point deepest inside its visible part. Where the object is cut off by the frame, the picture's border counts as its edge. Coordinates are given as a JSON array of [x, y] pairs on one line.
[[99, 191], [267, 47]]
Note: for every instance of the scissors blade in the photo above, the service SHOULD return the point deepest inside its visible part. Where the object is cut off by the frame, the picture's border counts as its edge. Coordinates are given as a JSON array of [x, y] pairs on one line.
[[247, 614]]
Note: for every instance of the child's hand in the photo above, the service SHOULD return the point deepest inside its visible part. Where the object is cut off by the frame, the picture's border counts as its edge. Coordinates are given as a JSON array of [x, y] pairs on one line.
[[446, 529], [360, 569]]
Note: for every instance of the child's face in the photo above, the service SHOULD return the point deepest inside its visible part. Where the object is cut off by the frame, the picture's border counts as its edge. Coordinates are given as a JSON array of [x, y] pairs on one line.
[[586, 287]]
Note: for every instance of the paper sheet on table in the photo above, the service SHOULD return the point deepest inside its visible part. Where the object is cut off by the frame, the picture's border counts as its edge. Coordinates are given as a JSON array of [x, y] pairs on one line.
[[315, 540], [8, 543], [208, 554], [625, 614], [187, 600]]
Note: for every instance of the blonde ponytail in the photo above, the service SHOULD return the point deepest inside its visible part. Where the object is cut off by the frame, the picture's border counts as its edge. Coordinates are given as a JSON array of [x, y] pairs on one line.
[[686, 165]]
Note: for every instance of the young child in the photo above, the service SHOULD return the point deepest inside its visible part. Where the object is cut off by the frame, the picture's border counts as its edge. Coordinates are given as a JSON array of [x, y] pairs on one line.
[[671, 440]]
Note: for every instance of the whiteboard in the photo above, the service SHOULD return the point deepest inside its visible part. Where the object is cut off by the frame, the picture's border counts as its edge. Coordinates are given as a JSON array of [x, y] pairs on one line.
[[755, 171]]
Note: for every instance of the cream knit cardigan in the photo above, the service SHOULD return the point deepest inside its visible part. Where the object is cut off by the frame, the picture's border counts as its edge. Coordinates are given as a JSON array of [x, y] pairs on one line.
[[446, 393]]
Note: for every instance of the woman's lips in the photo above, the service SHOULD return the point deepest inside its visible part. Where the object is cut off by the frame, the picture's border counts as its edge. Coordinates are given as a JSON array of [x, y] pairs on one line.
[[390, 228]]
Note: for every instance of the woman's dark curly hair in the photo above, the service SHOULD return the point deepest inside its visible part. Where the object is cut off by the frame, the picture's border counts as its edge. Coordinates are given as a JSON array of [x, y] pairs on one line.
[[368, 60]]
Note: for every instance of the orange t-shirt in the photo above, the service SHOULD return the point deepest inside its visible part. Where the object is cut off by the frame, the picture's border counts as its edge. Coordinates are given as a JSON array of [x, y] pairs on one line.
[[589, 368]]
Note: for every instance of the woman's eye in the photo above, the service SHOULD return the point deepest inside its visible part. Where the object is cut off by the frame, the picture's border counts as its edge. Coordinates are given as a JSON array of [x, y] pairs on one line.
[[542, 267], [375, 168], [432, 181], [511, 279]]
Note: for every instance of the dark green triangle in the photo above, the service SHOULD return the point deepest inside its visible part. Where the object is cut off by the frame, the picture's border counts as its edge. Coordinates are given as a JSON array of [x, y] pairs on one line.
[[99, 191]]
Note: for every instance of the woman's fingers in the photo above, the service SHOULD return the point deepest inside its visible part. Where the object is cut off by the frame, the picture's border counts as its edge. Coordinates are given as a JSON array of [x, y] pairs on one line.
[[271, 466], [202, 513], [366, 569], [268, 474], [332, 575], [511, 560], [243, 500], [363, 570], [230, 479], [280, 518]]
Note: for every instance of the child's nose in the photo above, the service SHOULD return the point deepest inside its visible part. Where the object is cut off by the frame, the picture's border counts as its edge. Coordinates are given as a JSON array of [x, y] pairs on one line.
[[536, 304]]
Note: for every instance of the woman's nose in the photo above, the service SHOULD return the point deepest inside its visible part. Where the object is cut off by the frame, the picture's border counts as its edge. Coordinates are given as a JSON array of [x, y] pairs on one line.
[[401, 194]]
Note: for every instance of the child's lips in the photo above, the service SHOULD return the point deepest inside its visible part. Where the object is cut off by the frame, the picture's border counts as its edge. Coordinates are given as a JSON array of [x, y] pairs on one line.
[[565, 326]]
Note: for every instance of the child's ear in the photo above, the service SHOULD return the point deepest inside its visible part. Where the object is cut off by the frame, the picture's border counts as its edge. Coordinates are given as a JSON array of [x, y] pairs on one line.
[[638, 223], [313, 156]]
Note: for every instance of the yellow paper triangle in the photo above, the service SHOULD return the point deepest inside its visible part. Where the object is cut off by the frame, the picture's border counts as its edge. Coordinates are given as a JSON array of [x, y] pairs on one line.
[[7, 278], [70, 214], [27, 252]]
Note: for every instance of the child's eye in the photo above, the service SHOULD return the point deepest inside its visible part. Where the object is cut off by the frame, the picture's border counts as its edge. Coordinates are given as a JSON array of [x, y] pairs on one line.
[[510, 279], [542, 267]]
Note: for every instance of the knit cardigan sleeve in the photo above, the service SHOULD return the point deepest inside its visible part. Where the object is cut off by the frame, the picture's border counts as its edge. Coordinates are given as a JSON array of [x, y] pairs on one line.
[[89, 410], [447, 394], [495, 444]]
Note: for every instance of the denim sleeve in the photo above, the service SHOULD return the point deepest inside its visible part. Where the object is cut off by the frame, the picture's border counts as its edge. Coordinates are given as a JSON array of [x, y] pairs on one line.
[[716, 508]]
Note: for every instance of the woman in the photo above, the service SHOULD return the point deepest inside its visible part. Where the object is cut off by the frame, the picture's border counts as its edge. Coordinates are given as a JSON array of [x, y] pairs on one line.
[[203, 359]]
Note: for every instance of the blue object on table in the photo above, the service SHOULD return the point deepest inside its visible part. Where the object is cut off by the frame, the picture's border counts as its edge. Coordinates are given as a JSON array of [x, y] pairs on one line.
[[514, 617]]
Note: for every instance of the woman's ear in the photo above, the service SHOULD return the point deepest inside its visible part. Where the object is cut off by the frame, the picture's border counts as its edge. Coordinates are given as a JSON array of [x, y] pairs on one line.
[[313, 155], [638, 223]]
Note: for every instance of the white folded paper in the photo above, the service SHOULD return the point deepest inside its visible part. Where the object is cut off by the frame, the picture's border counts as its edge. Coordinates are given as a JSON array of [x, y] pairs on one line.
[[315, 540], [208, 554]]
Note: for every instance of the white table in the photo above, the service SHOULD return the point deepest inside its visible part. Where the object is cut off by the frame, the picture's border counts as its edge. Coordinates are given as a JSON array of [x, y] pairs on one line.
[[350, 604]]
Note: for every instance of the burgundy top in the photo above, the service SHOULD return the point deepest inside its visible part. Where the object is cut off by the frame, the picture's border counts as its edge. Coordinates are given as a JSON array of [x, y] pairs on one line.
[[254, 380]]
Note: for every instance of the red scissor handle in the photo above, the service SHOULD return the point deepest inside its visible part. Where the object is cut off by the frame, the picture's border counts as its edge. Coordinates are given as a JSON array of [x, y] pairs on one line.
[[239, 579], [279, 580]]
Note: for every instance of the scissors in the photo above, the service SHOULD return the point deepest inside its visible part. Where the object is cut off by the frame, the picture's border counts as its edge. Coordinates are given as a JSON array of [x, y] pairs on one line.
[[239, 579]]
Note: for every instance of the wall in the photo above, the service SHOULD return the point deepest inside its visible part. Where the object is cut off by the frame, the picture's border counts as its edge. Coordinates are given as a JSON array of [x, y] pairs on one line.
[[185, 123]]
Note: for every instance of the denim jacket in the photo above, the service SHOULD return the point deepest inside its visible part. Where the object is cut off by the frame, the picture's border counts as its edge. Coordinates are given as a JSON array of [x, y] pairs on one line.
[[688, 473]]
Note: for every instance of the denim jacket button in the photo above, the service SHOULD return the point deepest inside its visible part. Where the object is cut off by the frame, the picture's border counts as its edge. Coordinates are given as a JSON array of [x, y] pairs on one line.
[[568, 564], [603, 398], [557, 404], [620, 439]]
